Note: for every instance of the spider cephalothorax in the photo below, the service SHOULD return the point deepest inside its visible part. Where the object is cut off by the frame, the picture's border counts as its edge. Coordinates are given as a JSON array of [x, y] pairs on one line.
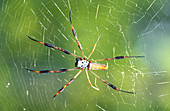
[[82, 63]]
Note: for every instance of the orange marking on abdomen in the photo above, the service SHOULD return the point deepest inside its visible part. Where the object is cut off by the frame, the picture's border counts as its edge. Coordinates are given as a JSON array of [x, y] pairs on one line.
[[96, 66]]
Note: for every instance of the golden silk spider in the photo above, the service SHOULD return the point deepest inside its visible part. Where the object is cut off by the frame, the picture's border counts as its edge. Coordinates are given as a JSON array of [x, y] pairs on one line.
[[82, 63]]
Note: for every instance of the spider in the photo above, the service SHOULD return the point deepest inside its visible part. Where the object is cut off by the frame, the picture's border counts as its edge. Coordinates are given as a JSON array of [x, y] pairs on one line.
[[82, 63]]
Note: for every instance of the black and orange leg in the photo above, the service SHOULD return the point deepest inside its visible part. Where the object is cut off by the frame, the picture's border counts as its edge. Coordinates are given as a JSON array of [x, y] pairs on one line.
[[54, 47], [75, 35], [111, 85], [118, 57], [71, 80], [93, 47], [50, 71]]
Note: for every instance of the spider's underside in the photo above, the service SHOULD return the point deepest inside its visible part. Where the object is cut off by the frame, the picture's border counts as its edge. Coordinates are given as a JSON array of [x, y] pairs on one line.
[[82, 63]]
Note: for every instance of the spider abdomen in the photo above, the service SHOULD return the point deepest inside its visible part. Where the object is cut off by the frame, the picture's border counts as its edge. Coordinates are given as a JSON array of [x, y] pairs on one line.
[[96, 66]]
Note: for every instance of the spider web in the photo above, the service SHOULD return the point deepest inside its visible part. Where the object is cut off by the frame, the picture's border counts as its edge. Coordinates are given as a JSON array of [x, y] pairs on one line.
[[127, 28]]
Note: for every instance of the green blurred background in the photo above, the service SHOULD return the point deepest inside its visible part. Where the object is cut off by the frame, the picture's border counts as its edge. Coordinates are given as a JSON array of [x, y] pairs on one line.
[[127, 27]]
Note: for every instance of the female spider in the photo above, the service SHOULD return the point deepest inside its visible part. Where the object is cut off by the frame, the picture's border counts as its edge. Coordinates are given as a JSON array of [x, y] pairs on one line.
[[82, 63]]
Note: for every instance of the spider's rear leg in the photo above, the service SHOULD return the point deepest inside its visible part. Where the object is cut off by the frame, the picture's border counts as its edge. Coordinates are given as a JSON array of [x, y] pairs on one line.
[[118, 57], [96, 88], [111, 85]]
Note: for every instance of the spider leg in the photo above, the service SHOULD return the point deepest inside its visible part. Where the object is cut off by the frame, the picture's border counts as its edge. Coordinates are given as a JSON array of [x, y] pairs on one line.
[[54, 47], [111, 85], [75, 35], [50, 71], [71, 80], [93, 48], [118, 57], [89, 81]]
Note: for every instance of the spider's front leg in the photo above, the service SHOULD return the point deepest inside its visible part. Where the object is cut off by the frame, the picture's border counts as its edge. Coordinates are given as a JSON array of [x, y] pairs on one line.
[[54, 47], [71, 80], [54, 71], [75, 35]]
